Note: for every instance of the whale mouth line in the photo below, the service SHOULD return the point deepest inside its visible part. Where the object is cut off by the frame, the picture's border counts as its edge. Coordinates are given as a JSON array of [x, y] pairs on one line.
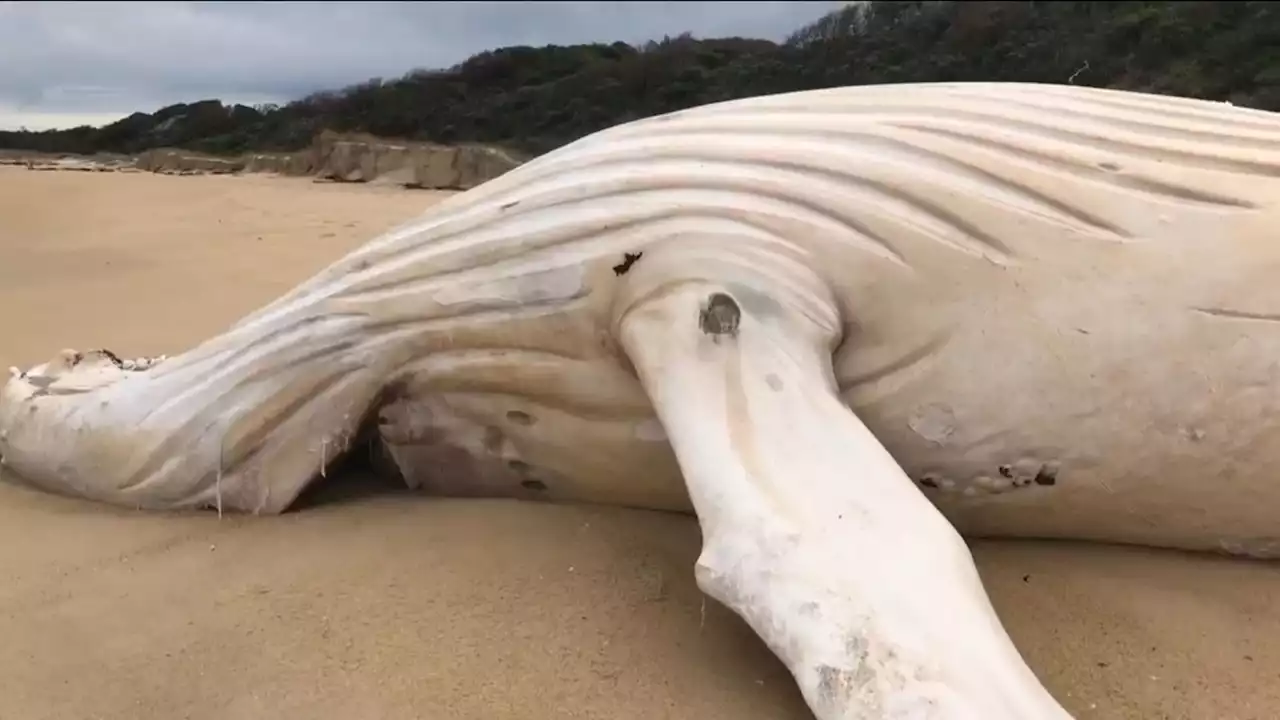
[[72, 372]]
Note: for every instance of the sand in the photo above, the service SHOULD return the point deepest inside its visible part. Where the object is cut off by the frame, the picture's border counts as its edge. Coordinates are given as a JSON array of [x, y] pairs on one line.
[[383, 605]]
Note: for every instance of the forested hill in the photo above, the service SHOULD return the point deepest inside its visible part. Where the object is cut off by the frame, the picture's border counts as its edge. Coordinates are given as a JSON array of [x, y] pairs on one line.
[[535, 99]]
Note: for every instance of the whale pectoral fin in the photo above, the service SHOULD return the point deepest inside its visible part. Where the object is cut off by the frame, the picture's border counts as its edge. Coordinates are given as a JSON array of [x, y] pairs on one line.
[[812, 533]]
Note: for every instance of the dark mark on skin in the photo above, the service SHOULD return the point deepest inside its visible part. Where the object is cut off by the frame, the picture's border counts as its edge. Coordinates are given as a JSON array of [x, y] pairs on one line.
[[493, 438], [519, 417], [112, 357], [524, 469], [52, 391], [1020, 475], [721, 316], [1047, 476], [40, 382], [628, 259]]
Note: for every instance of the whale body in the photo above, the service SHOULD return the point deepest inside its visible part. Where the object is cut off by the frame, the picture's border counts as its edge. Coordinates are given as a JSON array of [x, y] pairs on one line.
[[1056, 305], [843, 327]]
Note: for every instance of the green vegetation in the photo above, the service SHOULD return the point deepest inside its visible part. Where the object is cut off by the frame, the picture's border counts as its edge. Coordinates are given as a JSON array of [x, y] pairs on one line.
[[535, 99]]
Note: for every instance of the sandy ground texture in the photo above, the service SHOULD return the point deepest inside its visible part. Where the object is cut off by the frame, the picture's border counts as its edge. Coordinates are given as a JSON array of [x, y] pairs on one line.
[[385, 605]]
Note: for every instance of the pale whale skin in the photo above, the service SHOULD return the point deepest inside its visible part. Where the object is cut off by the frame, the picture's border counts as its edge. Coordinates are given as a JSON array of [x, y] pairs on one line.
[[1057, 308]]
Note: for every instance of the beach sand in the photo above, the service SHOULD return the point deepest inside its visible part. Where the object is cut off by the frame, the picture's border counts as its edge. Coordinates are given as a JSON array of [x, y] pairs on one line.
[[385, 605]]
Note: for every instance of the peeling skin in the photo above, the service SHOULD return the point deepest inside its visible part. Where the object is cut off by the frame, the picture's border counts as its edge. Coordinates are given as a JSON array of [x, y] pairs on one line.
[[1026, 472]]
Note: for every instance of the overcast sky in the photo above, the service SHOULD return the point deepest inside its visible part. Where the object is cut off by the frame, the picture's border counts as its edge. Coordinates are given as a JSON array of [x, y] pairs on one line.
[[67, 63]]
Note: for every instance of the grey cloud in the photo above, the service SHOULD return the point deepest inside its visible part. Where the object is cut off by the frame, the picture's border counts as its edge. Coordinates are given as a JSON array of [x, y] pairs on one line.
[[105, 57]]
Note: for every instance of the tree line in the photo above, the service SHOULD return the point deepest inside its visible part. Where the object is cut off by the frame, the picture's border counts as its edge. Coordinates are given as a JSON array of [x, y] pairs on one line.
[[532, 100]]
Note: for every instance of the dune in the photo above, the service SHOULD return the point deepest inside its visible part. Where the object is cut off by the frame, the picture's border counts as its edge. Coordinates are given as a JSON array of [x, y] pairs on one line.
[[370, 602]]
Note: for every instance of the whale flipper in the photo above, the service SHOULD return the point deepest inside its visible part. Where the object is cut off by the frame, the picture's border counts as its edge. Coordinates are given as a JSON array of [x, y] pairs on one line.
[[812, 532]]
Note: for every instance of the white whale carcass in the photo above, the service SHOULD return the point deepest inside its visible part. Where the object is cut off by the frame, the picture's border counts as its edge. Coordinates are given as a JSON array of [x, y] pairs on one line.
[[836, 324]]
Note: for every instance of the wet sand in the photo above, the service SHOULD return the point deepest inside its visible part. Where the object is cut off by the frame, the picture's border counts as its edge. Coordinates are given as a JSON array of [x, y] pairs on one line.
[[374, 604]]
